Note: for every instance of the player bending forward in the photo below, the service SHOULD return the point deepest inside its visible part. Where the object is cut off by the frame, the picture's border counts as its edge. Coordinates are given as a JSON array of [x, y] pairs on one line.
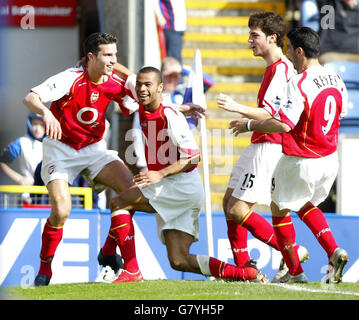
[[172, 188], [308, 114]]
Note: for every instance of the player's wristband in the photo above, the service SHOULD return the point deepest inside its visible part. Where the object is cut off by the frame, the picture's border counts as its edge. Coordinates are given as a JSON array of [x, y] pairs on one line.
[[249, 124]]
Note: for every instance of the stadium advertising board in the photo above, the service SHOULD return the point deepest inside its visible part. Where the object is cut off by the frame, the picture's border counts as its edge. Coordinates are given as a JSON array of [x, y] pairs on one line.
[[85, 231], [33, 13]]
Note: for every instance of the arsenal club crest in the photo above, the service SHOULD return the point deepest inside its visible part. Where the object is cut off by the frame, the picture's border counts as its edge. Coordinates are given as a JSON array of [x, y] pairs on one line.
[[51, 169], [94, 96]]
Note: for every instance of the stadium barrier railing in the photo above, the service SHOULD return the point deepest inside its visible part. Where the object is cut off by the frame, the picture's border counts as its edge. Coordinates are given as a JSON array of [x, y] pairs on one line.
[[17, 196]]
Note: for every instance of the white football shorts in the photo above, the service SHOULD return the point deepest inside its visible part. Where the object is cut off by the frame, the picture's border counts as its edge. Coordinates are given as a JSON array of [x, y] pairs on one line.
[[251, 176], [178, 200], [299, 180], [61, 161]]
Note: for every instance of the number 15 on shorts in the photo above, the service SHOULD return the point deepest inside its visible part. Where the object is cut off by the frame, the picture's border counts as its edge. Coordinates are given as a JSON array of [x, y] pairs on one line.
[[248, 181]]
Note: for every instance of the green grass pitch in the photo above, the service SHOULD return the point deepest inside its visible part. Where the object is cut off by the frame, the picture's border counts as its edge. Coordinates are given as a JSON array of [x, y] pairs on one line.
[[185, 290]]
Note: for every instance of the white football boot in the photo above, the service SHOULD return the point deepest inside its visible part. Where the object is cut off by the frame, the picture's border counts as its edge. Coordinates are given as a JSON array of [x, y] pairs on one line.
[[107, 275]]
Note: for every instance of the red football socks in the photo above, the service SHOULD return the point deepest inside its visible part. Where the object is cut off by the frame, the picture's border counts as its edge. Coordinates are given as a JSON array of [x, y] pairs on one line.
[[314, 218], [123, 231], [285, 233], [220, 269], [110, 245], [51, 237], [109, 248], [238, 236], [260, 228]]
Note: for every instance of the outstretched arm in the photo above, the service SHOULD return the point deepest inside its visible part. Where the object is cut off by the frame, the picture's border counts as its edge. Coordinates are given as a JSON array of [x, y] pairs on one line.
[[266, 126], [192, 110], [227, 103], [121, 71]]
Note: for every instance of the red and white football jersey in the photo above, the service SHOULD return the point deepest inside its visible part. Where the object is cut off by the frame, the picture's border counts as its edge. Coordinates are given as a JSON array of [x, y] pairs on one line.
[[166, 134], [79, 104], [312, 106], [168, 137], [273, 85]]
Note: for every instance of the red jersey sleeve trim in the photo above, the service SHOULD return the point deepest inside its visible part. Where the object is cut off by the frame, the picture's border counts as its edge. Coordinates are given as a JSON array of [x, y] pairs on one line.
[[267, 104], [300, 84], [286, 69], [190, 152], [119, 80]]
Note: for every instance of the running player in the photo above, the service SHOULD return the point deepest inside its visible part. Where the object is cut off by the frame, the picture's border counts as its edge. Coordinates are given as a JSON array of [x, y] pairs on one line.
[[251, 176], [172, 187], [308, 114]]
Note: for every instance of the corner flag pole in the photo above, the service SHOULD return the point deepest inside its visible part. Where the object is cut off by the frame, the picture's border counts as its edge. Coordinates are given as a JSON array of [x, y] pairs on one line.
[[199, 98]]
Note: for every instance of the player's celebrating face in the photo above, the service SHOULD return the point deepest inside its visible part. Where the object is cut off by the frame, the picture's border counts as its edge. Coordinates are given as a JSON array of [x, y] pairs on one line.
[[258, 42], [266, 34], [102, 63], [100, 50], [149, 88]]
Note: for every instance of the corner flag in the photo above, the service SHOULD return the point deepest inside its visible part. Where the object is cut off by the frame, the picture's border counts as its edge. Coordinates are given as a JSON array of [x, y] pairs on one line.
[[195, 93]]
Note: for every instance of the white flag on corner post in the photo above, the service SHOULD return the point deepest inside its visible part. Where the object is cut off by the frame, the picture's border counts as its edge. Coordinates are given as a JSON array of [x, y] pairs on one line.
[[195, 93]]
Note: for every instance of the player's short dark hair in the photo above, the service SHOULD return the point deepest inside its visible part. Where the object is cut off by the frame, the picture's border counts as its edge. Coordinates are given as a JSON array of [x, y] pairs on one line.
[[270, 23], [307, 39], [94, 40], [152, 69]]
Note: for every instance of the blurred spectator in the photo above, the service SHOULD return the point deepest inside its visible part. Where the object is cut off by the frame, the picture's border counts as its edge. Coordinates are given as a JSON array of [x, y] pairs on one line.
[[27, 149], [171, 73], [337, 22], [171, 15]]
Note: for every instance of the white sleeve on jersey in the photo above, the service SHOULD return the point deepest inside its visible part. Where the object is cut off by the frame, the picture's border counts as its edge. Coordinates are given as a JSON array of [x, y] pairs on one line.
[[180, 133], [291, 103], [130, 101], [130, 104], [275, 90], [131, 84], [57, 86]]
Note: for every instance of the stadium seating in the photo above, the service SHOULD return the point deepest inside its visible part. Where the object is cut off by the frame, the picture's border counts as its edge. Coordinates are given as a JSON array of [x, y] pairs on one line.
[[349, 71], [309, 16]]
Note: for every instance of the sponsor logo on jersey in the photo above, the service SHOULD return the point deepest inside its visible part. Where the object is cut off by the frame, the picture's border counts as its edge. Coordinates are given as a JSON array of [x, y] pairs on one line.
[[288, 105], [51, 86]]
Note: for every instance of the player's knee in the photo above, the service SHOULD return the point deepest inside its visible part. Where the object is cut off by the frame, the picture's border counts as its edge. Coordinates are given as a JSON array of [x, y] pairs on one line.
[[118, 203], [179, 262], [234, 213], [225, 200], [59, 215]]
